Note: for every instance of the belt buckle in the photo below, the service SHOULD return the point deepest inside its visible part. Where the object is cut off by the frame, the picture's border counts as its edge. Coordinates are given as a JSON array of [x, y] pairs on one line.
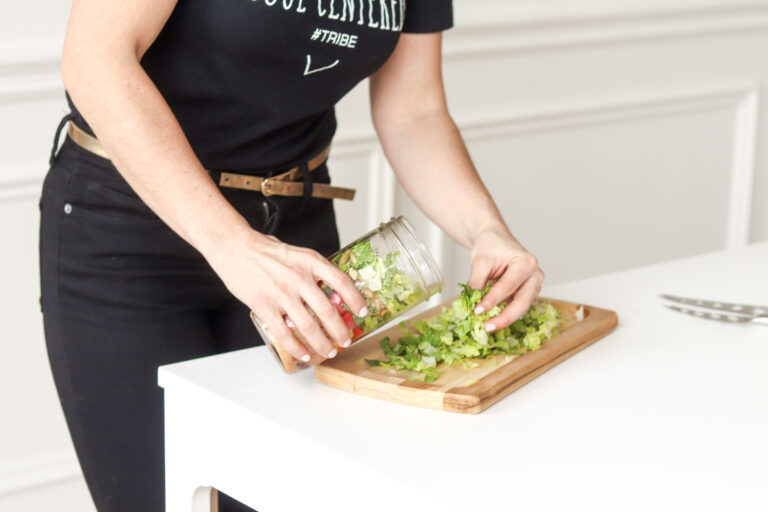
[[266, 187]]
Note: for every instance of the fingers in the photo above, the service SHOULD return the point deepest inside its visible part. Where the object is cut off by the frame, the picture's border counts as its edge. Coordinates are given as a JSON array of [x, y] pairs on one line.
[[307, 328], [329, 317], [518, 271], [301, 317], [343, 285], [282, 334], [519, 305], [480, 272]]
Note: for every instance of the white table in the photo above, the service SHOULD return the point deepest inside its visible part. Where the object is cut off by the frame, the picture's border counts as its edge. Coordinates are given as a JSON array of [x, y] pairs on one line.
[[669, 412]]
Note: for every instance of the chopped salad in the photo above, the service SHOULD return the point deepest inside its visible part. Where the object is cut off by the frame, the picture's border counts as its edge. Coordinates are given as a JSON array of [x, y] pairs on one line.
[[387, 289], [457, 335]]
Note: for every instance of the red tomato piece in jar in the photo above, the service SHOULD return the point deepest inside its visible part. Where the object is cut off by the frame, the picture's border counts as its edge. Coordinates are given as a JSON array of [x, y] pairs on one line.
[[349, 320], [335, 299]]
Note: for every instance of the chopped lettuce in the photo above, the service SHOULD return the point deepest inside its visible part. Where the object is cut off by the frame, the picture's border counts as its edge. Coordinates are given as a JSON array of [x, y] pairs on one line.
[[457, 335], [387, 289]]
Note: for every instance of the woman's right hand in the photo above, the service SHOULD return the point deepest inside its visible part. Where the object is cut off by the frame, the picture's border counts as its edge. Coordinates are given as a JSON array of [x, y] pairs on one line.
[[279, 282]]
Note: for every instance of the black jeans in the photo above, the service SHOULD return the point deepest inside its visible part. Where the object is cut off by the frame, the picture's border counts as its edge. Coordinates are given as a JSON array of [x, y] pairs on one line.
[[122, 294]]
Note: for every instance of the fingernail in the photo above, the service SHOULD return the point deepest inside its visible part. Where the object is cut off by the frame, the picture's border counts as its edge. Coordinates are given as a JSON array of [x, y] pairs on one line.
[[289, 323], [333, 354], [346, 343], [479, 310], [363, 312], [305, 358], [490, 327]]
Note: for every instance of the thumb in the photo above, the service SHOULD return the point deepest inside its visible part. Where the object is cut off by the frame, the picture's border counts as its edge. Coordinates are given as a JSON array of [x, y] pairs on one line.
[[478, 276]]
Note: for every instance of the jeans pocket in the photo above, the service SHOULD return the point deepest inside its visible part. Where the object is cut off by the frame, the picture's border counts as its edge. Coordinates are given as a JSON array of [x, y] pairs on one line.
[[119, 206]]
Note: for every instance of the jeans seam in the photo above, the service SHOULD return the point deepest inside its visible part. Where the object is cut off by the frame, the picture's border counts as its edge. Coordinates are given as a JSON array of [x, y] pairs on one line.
[[64, 369]]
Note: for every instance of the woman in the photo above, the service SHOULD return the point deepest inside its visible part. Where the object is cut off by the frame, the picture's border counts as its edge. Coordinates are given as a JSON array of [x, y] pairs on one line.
[[147, 258]]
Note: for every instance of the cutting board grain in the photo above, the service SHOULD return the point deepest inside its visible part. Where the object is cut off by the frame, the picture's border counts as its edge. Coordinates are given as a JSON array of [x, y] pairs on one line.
[[460, 389]]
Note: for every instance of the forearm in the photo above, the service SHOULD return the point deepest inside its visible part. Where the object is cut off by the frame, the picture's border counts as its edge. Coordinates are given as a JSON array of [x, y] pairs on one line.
[[431, 161], [147, 145], [433, 165]]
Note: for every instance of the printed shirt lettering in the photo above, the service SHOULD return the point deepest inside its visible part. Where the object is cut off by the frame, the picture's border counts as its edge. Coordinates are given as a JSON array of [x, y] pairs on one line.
[[254, 83]]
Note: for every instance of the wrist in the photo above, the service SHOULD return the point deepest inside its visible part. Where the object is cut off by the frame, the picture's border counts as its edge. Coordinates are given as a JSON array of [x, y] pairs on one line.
[[494, 226], [221, 237]]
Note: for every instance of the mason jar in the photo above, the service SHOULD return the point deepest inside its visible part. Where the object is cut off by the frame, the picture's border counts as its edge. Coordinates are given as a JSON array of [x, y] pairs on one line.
[[394, 272]]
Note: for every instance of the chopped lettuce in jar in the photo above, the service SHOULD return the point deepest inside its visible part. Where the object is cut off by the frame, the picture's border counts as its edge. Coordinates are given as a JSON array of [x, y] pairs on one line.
[[387, 289], [457, 335]]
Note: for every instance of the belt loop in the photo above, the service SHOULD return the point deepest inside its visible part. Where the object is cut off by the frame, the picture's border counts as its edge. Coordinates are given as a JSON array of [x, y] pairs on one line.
[[276, 215], [54, 150], [306, 176]]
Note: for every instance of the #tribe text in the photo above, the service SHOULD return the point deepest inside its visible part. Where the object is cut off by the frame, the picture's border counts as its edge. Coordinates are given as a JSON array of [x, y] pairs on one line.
[[381, 14], [331, 37]]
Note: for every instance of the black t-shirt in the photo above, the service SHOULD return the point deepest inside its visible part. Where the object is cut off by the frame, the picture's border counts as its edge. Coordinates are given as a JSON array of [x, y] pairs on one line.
[[253, 83]]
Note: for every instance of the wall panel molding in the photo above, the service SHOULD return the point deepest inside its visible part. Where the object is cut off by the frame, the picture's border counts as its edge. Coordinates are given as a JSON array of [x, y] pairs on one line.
[[38, 472], [19, 190], [610, 109], [743, 168], [354, 142], [30, 55], [383, 189], [741, 99], [30, 70], [539, 26], [30, 87]]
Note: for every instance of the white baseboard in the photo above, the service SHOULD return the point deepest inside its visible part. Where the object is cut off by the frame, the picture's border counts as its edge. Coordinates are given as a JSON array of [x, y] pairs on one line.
[[66, 496], [38, 472]]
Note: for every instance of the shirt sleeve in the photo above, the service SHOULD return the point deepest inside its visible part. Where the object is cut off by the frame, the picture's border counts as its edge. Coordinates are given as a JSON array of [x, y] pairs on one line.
[[424, 16]]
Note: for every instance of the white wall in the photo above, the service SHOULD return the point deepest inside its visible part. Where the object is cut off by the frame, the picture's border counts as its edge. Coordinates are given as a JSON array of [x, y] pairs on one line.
[[38, 470], [612, 134]]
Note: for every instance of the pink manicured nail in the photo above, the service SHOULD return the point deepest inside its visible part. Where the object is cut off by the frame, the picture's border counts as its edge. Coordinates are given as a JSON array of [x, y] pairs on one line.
[[333, 354], [289, 323], [305, 358], [479, 310], [490, 327], [346, 343], [363, 312]]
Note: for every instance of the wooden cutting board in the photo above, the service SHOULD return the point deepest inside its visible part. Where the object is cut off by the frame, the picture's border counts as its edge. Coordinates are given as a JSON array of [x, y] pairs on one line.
[[460, 389]]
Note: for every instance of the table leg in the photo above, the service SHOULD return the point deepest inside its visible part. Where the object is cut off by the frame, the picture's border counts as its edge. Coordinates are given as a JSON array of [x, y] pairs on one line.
[[187, 479], [189, 497]]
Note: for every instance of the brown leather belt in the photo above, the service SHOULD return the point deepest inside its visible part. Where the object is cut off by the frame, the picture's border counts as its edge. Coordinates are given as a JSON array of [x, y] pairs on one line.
[[283, 184]]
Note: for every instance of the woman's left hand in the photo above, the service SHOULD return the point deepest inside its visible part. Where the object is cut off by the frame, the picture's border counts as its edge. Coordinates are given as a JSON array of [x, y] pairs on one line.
[[497, 256]]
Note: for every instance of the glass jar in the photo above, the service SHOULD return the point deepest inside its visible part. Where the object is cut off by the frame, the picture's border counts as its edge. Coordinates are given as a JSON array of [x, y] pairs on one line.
[[393, 271]]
